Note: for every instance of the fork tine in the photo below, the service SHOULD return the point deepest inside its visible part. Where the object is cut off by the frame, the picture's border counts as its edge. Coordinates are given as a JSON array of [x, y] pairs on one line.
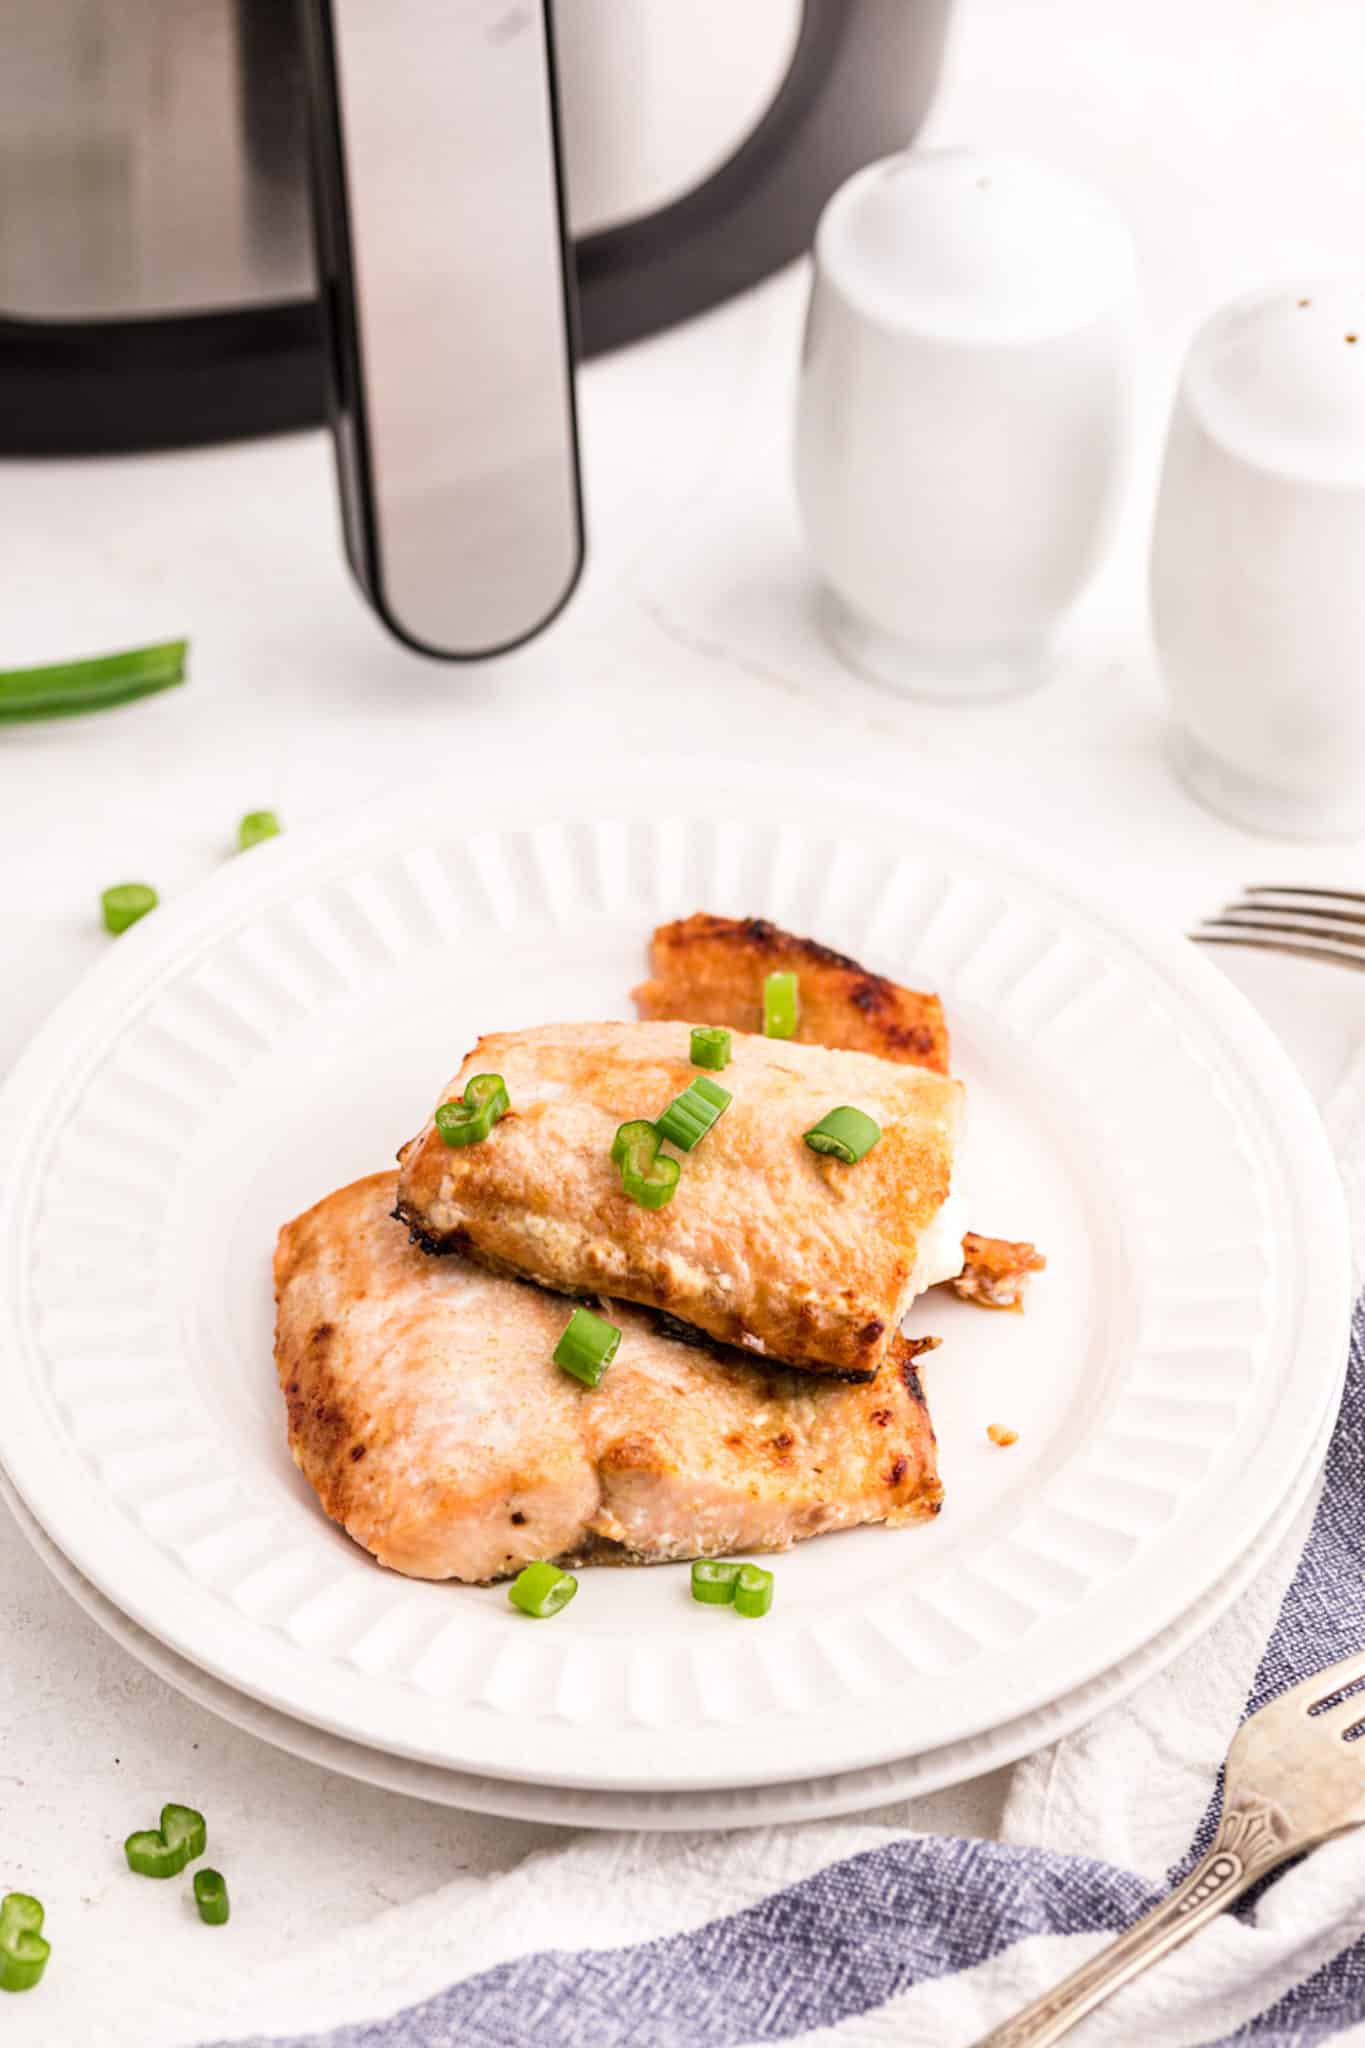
[[1327, 917], [1355, 896], [1270, 939], [1345, 1714], [1309, 924], [1310, 1691]]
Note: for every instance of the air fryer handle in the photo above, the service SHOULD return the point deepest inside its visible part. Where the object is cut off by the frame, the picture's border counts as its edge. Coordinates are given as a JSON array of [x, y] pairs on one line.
[[445, 287]]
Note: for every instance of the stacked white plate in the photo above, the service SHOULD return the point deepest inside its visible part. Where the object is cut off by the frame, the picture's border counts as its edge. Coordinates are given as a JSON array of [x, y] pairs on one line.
[[287, 1025]]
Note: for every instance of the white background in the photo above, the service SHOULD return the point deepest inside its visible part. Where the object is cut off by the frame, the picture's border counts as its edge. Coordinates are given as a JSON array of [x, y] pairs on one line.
[[1229, 131]]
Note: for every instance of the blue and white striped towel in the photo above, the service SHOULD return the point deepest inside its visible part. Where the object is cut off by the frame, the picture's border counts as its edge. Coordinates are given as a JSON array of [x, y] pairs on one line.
[[857, 1933]]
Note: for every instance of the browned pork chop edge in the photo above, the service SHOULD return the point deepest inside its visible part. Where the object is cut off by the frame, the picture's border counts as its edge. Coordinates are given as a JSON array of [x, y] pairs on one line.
[[710, 970]]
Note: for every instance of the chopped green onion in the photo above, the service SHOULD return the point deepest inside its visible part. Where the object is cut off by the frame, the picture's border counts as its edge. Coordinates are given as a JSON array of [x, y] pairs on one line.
[[648, 1176], [713, 1581], [468, 1121], [542, 1589], [781, 1006], [847, 1134], [753, 1591], [256, 826], [23, 1951], [150, 1855], [185, 1824], [62, 688], [125, 903], [211, 1897], [689, 1116], [164, 1851], [710, 1047], [587, 1347]]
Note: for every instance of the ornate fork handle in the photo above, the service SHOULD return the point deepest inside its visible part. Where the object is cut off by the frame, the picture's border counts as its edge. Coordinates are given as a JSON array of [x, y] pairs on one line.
[[1252, 1839]]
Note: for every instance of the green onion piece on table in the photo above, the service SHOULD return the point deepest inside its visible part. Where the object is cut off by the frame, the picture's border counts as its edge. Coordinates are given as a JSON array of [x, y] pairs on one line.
[[689, 1116], [847, 1134], [23, 1951], [164, 1851], [542, 1589], [125, 903], [647, 1175], [62, 688], [468, 1121], [211, 1897], [150, 1855], [256, 826], [753, 1591], [587, 1347], [714, 1580], [781, 1006], [710, 1047]]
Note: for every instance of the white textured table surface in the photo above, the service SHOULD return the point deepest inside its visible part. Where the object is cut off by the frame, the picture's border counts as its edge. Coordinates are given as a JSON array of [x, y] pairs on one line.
[[1230, 134]]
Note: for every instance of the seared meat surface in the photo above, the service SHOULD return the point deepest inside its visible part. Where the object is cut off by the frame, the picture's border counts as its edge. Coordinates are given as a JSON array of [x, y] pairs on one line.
[[426, 1411], [765, 1243], [710, 970], [994, 1272]]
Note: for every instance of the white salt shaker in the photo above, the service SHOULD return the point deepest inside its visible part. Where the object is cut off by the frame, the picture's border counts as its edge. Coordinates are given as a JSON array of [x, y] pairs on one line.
[[964, 413], [1258, 562]]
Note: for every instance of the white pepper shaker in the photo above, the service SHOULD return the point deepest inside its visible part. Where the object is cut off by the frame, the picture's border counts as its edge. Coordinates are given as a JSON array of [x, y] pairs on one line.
[[964, 417], [1258, 562]]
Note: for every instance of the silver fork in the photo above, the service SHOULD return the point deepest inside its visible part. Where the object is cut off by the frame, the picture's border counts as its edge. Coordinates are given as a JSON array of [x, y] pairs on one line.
[[1324, 924], [1295, 1776]]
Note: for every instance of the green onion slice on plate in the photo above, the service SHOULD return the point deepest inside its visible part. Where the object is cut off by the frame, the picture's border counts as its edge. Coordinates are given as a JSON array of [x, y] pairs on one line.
[[648, 1176], [468, 1121], [714, 1580], [847, 1134], [781, 1006], [753, 1591], [587, 1347], [710, 1047], [689, 1116], [542, 1589]]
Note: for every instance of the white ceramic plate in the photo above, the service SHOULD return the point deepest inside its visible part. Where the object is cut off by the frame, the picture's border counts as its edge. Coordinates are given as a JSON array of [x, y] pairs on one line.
[[670, 1812], [289, 1023]]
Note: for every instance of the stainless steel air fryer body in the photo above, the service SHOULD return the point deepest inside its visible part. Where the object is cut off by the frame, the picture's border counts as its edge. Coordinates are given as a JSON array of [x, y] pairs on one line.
[[158, 276], [155, 159]]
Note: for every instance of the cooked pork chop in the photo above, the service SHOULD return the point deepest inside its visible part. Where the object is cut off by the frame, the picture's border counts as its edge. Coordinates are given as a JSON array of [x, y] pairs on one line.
[[765, 1243], [710, 970], [426, 1411]]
